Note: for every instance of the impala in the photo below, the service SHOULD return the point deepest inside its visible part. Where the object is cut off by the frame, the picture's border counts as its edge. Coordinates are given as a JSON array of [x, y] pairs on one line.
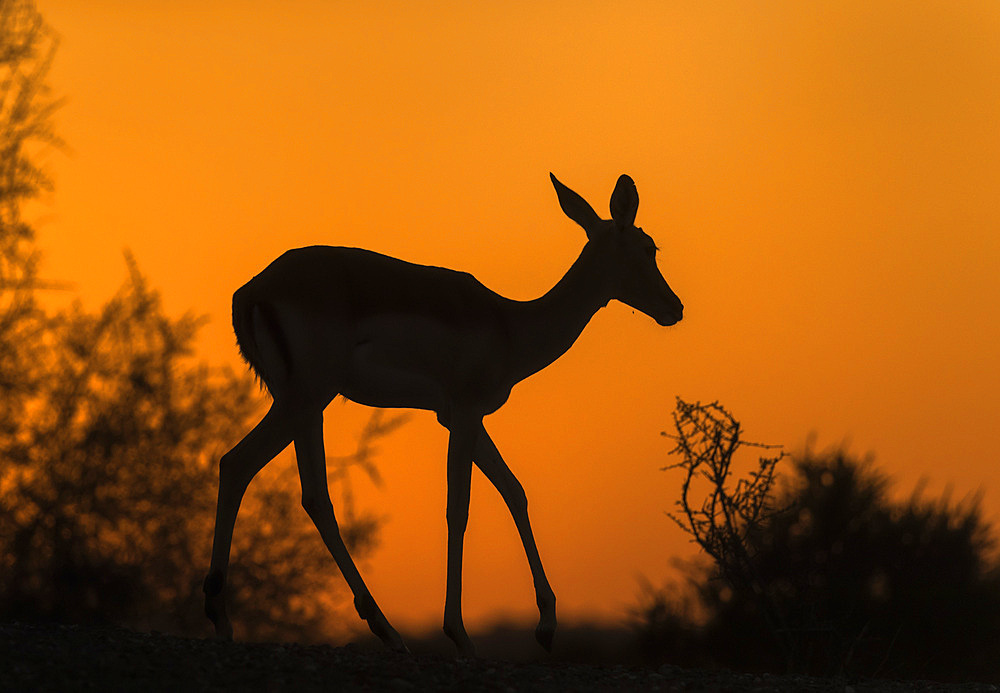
[[322, 321]]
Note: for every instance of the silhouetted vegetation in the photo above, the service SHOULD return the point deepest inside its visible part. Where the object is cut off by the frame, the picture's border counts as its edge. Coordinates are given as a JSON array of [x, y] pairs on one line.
[[27, 46], [853, 581], [110, 479], [110, 434], [707, 440]]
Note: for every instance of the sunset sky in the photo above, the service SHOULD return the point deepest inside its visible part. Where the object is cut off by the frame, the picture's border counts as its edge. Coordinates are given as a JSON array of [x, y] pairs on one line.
[[823, 180]]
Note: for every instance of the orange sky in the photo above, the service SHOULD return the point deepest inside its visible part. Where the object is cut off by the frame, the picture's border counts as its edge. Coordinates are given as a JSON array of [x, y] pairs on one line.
[[823, 180]]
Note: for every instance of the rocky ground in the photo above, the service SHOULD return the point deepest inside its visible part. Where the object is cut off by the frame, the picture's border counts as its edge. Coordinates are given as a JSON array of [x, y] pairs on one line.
[[75, 658]]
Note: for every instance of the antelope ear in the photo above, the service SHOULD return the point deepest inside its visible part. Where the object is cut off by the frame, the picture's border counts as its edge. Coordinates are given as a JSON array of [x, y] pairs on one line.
[[624, 203], [576, 208]]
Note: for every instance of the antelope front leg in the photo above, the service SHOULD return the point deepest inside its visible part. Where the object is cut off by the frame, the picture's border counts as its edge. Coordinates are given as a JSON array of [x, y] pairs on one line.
[[461, 444], [490, 462]]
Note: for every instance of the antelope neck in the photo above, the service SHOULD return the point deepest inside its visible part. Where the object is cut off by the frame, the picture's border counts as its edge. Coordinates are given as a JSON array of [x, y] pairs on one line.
[[543, 329]]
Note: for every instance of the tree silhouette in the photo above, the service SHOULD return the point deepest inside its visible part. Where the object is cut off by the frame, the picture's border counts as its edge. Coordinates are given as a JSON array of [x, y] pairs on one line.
[[106, 515], [99, 509], [27, 46], [864, 585], [110, 433]]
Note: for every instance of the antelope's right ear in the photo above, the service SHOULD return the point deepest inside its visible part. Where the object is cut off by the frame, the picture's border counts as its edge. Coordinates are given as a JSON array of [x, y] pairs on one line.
[[624, 203], [576, 208]]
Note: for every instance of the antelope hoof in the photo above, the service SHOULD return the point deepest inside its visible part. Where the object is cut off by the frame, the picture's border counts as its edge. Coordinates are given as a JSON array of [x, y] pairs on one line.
[[388, 635], [395, 643], [544, 635], [462, 641], [546, 629], [216, 612], [378, 624], [224, 630], [215, 606]]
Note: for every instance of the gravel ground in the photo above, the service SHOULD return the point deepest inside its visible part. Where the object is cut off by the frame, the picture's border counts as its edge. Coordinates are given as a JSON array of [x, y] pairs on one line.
[[76, 658]]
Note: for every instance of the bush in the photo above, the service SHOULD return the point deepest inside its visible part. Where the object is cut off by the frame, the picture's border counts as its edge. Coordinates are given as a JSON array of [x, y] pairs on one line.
[[108, 489], [110, 433], [845, 580]]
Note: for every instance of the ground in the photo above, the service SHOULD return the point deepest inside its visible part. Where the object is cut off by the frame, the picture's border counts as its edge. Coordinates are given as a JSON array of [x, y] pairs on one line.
[[76, 658]]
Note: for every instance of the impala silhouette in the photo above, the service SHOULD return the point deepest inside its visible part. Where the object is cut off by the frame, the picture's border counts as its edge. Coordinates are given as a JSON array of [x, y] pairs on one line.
[[322, 321]]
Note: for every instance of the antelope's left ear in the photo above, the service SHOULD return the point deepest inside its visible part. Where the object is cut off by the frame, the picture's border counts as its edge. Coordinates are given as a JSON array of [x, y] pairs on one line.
[[624, 203], [577, 208]]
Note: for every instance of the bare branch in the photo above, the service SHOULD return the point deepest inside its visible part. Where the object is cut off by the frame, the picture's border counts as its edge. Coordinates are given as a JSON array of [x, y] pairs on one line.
[[706, 440]]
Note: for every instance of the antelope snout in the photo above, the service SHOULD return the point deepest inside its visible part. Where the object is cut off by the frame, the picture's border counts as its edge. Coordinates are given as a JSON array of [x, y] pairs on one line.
[[673, 315]]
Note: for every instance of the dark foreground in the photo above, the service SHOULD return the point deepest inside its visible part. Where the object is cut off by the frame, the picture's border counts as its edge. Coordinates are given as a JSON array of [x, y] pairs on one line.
[[75, 658]]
